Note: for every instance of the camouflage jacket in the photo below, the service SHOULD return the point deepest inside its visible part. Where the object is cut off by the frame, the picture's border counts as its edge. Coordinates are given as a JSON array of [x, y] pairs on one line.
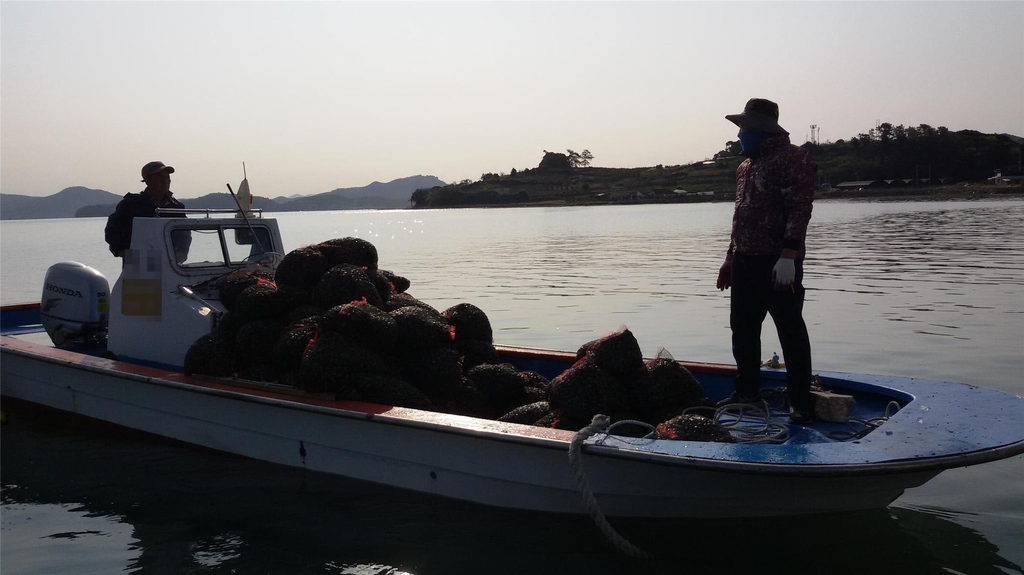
[[774, 191]]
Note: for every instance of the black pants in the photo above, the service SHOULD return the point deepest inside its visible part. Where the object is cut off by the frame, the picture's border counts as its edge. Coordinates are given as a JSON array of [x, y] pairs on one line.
[[753, 296]]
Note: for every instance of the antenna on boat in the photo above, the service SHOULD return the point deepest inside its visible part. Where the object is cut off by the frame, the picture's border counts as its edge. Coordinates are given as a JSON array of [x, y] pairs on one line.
[[241, 210]]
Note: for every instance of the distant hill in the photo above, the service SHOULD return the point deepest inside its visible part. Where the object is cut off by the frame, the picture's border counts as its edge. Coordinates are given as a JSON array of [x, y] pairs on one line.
[[63, 204], [225, 201], [284, 199], [393, 194], [85, 202]]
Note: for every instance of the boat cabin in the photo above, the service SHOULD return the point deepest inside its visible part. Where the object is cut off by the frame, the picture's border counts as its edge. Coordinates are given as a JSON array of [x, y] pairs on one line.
[[167, 295]]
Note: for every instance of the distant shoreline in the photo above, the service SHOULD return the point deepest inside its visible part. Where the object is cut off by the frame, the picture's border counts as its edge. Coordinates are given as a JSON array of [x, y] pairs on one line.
[[921, 194], [930, 193]]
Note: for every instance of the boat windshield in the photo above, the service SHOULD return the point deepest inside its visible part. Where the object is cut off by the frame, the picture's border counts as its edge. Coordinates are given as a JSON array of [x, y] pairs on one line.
[[220, 246], [244, 244]]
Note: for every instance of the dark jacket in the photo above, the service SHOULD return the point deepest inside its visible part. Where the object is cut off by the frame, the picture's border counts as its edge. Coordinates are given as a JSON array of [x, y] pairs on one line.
[[118, 232], [774, 191]]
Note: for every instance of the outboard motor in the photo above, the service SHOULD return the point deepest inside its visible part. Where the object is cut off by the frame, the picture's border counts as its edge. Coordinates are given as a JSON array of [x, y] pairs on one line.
[[74, 303]]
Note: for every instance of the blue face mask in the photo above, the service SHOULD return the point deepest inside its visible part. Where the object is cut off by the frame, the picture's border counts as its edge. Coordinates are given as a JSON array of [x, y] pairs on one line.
[[750, 140]]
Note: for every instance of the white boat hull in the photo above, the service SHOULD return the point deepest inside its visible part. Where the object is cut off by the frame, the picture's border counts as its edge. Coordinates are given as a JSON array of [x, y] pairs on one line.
[[486, 462]]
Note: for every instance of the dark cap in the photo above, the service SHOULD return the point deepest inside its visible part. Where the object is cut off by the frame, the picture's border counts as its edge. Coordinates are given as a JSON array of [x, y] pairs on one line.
[[759, 114], [153, 168]]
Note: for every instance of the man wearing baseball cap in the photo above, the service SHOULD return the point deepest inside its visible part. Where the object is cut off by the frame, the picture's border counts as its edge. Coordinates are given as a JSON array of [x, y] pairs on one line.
[[764, 264], [157, 194]]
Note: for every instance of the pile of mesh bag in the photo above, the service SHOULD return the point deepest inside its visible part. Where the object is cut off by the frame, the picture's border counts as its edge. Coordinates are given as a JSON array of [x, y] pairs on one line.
[[329, 320], [611, 377]]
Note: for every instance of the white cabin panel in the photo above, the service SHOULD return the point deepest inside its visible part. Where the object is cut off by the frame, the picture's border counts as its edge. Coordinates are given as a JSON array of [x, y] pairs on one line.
[[152, 319]]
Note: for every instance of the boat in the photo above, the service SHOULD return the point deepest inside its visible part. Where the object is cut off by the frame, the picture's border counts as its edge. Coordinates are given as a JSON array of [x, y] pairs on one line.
[[119, 359]]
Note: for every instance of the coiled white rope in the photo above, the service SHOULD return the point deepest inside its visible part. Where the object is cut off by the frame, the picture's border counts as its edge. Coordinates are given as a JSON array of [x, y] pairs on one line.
[[599, 424], [751, 423], [747, 422]]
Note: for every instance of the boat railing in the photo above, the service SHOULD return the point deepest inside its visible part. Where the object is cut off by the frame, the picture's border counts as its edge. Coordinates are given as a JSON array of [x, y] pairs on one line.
[[257, 212]]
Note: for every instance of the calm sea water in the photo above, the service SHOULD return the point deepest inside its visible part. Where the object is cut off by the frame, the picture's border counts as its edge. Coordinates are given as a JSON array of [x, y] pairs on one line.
[[931, 289]]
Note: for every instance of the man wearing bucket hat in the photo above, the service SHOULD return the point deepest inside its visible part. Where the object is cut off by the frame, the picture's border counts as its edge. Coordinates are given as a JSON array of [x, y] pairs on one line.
[[764, 264], [157, 194]]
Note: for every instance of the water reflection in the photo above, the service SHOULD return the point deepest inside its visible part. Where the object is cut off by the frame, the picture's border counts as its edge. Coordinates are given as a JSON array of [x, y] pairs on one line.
[[898, 252], [221, 548], [46, 536], [191, 511]]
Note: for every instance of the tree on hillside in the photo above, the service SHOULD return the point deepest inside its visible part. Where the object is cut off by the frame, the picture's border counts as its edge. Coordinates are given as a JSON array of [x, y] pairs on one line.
[[731, 149], [579, 160], [916, 153], [574, 158], [421, 197], [585, 158]]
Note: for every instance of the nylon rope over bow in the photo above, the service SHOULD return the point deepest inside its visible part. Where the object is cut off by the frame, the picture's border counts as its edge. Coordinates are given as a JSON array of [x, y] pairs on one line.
[[599, 424]]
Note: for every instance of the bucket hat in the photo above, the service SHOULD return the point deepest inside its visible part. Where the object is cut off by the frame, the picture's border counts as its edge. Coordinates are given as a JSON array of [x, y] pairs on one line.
[[759, 114], [154, 168]]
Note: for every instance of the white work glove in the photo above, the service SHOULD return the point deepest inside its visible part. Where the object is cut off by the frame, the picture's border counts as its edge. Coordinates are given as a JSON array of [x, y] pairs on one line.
[[784, 272]]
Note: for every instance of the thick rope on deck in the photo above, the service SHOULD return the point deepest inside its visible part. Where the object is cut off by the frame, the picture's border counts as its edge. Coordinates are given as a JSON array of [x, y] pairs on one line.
[[866, 425], [599, 424]]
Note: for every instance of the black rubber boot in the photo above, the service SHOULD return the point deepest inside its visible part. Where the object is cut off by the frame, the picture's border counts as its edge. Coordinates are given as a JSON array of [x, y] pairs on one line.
[[737, 397]]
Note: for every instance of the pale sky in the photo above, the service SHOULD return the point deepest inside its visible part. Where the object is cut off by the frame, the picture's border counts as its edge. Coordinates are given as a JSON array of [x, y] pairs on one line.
[[316, 96]]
